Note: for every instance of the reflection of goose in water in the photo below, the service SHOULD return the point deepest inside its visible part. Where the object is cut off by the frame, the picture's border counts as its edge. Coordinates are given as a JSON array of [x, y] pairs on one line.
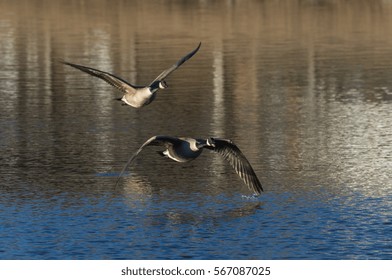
[[135, 96], [192, 214], [187, 149]]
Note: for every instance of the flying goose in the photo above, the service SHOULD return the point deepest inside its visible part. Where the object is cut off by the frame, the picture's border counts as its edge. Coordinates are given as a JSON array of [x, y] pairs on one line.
[[186, 149], [135, 96]]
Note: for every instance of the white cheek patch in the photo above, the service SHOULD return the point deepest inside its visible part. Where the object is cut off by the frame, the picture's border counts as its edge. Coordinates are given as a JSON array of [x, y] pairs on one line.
[[161, 85]]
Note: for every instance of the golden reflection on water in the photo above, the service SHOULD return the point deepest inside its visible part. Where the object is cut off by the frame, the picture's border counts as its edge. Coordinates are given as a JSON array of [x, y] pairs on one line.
[[303, 87]]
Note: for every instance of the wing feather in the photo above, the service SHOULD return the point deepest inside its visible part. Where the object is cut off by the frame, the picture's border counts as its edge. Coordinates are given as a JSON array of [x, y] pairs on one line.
[[230, 152], [168, 71], [158, 140], [111, 79]]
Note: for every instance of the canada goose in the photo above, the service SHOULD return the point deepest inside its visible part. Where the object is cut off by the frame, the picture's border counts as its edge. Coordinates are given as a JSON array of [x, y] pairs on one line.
[[135, 96], [186, 149]]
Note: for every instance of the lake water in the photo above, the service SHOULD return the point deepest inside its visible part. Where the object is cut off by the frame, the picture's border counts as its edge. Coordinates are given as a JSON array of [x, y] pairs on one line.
[[304, 88]]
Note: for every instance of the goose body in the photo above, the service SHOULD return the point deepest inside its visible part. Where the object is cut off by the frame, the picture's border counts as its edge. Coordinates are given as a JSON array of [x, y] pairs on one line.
[[135, 96], [185, 149]]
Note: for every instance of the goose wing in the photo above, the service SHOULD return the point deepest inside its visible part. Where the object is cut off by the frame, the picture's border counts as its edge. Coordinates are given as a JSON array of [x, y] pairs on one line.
[[168, 71], [158, 140], [229, 151], [111, 79]]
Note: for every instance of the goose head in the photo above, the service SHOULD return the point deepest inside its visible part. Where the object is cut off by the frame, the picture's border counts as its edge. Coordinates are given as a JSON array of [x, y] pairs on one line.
[[210, 142], [163, 85]]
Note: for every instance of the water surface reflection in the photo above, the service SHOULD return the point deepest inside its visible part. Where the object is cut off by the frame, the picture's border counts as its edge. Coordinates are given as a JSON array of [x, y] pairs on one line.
[[302, 87]]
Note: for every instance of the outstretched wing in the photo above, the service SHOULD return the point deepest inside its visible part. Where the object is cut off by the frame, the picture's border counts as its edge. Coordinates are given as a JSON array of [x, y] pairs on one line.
[[158, 140], [168, 71], [229, 151], [111, 79]]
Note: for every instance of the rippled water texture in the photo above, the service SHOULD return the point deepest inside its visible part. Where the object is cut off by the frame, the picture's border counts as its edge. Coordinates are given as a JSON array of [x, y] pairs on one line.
[[303, 87]]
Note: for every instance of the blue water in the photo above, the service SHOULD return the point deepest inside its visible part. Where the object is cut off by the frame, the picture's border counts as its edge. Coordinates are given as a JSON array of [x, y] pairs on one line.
[[315, 224], [300, 87]]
